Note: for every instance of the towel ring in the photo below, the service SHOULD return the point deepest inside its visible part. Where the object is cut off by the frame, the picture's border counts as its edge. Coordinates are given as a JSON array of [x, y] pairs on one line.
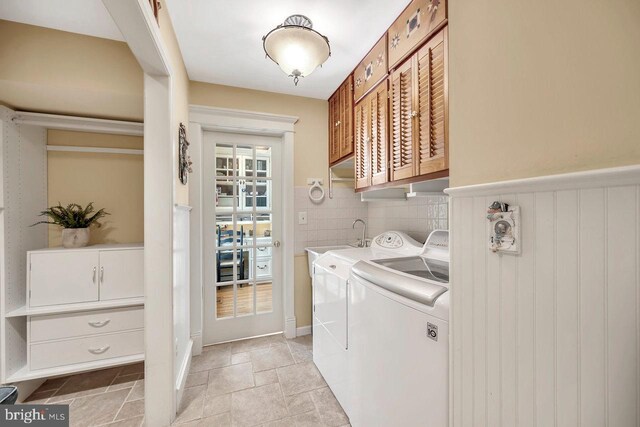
[[316, 186]]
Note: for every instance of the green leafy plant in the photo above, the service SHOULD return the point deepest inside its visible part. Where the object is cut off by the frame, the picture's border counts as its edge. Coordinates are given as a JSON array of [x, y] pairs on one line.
[[72, 216]]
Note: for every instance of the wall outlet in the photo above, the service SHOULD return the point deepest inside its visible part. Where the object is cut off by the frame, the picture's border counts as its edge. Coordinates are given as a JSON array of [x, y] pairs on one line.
[[302, 218]]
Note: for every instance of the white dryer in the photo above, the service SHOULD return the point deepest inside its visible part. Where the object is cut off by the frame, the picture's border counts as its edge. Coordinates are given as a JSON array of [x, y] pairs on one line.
[[331, 273]]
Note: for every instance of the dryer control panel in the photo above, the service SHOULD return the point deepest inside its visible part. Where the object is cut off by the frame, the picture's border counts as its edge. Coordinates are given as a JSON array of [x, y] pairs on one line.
[[394, 240]]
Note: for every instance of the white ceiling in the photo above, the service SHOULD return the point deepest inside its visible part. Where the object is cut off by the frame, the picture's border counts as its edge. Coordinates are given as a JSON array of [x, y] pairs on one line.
[[221, 41], [88, 17]]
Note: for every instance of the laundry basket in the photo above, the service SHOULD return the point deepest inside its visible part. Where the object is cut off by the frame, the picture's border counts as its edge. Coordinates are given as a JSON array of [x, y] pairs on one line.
[[8, 395]]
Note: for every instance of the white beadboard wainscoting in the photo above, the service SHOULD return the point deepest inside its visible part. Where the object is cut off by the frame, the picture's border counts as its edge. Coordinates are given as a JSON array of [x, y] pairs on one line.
[[550, 336]]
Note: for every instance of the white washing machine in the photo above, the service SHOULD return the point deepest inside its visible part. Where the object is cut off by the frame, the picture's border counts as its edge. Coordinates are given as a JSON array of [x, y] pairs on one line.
[[399, 339], [331, 273]]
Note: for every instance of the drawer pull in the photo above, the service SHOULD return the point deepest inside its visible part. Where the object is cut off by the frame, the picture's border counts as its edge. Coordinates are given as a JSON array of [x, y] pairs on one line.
[[100, 323], [101, 274], [262, 249], [99, 350], [94, 275], [262, 267]]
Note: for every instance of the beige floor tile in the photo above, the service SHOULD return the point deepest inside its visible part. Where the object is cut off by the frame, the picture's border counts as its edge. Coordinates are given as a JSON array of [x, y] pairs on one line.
[[220, 420], [240, 358], [85, 384], [303, 343], [265, 377], [192, 404], [271, 357], [309, 419], [131, 422], [123, 381], [256, 343], [230, 379], [285, 422], [137, 392], [97, 409], [299, 403], [212, 358], [39, 397], [302, 356], [131, 409], [300, 378], [53, 383], [214, 405], [197, 378], [330, 410], [258, 405]]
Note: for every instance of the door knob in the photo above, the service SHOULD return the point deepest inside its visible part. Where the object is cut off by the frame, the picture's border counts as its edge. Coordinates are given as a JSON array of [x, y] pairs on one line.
[[276, 243]]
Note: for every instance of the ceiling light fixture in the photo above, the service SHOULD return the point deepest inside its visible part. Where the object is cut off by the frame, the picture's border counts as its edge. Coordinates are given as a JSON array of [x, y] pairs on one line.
[[296, 47]]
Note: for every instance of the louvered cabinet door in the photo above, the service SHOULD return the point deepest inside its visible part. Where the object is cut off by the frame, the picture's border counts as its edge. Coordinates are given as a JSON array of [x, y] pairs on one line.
[[433, 144], [346, 118], [334, 128], [402, 113], [378, 128], [363, 146]]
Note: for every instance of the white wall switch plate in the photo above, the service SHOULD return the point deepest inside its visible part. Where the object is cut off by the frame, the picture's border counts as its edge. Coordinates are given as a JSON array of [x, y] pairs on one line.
[[302, 218]]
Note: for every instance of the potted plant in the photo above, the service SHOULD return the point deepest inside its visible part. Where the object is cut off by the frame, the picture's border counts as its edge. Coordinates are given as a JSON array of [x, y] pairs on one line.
[[75, 221]]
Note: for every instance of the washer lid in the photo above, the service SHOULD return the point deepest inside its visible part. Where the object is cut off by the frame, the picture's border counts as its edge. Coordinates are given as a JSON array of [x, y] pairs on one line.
[[412, 287]]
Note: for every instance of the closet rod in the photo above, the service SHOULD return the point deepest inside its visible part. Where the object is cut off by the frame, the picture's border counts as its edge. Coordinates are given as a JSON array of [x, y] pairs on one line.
[[94, 150]]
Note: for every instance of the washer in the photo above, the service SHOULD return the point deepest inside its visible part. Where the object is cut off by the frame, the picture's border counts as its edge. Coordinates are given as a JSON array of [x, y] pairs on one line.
[[331, 273], [399, 339]]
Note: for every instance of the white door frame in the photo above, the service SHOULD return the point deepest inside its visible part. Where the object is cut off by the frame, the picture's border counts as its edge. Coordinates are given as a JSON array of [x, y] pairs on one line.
[[202, 119], [141, 32]]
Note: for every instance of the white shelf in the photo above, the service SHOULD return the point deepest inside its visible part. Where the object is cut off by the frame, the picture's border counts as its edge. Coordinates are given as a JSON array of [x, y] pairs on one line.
[[70, 308], [100, 247], [25, 374], [103, 150]]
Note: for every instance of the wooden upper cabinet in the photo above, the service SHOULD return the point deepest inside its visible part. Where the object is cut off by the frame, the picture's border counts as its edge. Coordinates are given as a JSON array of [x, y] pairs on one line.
[[433, 147], [413, 27], [402, 114], [371, 70], [378, 113], [341, 122], [363, 145]]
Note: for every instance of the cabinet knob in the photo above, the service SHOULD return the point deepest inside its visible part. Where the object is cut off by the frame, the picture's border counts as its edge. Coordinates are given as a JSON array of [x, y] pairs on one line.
[[276, 243]]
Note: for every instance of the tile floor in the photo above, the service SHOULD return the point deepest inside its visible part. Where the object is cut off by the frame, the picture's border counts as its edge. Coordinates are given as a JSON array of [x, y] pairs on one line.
[[267, 381]]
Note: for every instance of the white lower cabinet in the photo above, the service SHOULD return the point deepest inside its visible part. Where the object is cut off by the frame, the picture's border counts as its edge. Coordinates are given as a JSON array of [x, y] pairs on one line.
[[84, 308]]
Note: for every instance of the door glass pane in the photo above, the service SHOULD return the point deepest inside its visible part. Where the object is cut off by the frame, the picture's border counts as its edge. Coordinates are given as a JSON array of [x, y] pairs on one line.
[[263, 162], [244, 304], [263, 194], [229, 264], [263, 228], [264, 297], [224, 160], [226, 197], [224, 301], [244, 157]]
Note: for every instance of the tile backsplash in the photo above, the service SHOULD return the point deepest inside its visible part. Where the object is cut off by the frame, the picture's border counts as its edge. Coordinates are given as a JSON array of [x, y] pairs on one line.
[[330, 222]]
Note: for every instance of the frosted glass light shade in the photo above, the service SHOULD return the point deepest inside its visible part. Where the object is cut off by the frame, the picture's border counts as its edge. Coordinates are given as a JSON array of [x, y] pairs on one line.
[[297, 49]]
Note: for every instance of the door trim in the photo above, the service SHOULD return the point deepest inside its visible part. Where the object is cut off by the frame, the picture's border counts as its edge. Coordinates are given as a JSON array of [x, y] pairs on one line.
[[203, 119]]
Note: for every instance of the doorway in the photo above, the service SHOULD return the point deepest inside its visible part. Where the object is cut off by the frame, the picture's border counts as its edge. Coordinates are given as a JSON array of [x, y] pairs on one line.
[[242, 214]]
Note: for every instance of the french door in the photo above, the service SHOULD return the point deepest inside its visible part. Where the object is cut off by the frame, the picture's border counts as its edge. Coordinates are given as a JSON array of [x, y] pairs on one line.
[[242, 225]]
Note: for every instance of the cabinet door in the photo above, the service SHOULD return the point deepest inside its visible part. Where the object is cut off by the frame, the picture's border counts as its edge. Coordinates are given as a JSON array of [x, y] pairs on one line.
[[346, 118], [63, 277], [433, 146], [121, 274], [378, 129], [402, 113], [334, 128], [363, 145]]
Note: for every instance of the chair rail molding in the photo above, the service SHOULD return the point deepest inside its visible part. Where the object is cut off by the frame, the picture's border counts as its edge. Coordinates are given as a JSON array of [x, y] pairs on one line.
[[550, 336], [203, 118]]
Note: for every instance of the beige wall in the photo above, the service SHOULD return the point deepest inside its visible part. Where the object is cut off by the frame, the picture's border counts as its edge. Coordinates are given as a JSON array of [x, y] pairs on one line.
[[54, 71], [112, 181], [545, 87], [179, 94], [310, 151]]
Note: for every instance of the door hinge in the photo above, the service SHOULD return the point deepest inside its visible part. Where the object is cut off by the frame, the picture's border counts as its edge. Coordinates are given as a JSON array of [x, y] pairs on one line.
[[314, 308]]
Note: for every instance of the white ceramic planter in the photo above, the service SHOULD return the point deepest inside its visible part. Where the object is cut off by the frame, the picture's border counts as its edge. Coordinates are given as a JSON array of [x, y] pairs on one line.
[[75, 237]]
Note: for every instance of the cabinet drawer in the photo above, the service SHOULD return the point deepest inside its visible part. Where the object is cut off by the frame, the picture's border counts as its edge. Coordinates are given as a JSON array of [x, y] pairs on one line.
[[59, 326], [263, 268], [263, 251], [87, 349]]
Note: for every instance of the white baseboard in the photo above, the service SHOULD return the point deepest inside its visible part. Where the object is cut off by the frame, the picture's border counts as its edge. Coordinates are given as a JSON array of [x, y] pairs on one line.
[[303, 330], [181, 381], [197, 344], [290, 327]]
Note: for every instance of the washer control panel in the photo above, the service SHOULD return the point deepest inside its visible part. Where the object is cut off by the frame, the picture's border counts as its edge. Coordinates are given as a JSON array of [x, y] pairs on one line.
[[389, 240]]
